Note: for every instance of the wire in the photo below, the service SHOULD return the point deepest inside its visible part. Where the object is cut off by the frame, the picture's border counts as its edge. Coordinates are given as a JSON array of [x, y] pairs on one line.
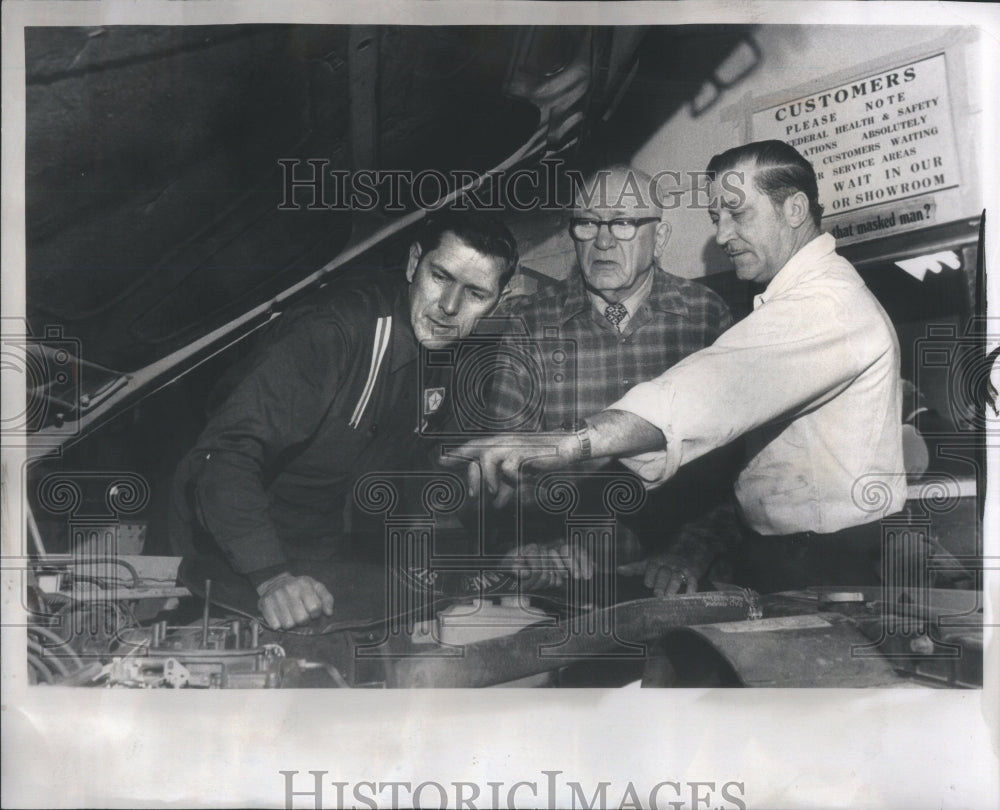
[[114, 560], [55, 639], [33, 532], [135, 646], [100, 582], [36, 649], [127, 582], [40, 668], [65, 598], [84, 676], [130, 619], [338, 679]]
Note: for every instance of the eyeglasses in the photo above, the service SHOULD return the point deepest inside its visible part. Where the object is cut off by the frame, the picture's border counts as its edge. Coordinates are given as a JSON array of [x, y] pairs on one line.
[[583, 230]]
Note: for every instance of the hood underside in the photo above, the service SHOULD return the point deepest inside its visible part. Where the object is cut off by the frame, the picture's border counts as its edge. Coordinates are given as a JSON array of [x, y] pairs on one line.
[[153, 187]]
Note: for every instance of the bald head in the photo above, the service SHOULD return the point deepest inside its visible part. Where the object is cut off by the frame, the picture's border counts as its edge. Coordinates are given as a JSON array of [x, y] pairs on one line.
[[619, 185], [617, 228]]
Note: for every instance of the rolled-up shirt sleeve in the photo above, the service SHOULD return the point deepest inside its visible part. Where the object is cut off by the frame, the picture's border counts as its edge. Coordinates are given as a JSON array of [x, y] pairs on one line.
[[277, 406], [789, 355]]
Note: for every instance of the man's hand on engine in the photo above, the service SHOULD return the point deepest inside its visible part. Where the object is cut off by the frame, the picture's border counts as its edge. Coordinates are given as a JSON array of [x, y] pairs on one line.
[[547, 565], [287, 601], [664, 574]]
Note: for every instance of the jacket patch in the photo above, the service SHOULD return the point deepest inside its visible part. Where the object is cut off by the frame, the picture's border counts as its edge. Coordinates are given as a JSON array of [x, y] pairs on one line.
[[433, 397]]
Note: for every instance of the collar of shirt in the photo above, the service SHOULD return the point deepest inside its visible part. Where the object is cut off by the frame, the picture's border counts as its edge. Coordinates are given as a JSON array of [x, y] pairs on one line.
[[805, 261], [631, 304], [662, 296]]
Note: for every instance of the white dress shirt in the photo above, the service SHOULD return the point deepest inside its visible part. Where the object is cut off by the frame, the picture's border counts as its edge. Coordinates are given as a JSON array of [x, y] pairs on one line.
[[812, 376]]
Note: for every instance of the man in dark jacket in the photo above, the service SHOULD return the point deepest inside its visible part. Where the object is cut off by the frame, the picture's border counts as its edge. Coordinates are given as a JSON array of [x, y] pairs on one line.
[[331, 393]]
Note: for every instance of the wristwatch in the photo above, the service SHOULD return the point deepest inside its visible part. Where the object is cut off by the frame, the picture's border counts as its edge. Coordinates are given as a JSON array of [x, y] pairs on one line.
[[582, 434]]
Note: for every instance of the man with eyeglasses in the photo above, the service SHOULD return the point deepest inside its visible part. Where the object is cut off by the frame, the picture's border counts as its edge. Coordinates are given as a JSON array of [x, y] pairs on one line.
[[810, 378], [620, 320]]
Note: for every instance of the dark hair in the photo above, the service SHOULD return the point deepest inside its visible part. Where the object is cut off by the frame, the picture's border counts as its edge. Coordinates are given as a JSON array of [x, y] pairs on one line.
[[482, 232], [781, 172]]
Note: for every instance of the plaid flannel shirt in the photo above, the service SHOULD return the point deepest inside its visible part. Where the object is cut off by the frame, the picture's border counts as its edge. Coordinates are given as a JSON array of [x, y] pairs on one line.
[[561, 361]]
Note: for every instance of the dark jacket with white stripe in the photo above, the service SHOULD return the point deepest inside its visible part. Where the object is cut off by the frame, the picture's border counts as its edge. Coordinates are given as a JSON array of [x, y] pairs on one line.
[[330, 393]]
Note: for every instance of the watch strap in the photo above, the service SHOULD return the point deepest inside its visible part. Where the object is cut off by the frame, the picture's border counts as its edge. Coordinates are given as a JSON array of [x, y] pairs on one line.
[[582, 434]]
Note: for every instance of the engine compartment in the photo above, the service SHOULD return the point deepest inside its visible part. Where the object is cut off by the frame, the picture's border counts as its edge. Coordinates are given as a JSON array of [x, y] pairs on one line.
[[118, 622]]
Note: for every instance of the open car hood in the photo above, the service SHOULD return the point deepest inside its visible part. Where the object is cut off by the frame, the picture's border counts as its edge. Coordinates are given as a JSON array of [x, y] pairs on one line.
[[158, 229]]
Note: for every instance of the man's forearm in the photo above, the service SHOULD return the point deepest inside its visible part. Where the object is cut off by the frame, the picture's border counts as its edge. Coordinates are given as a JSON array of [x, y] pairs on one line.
[[614, 434], [497, 461], [232, 506]]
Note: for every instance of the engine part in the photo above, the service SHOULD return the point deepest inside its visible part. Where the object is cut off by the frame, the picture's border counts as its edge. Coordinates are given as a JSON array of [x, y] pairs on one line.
[[481, 619], [617, 630], [207, 669]]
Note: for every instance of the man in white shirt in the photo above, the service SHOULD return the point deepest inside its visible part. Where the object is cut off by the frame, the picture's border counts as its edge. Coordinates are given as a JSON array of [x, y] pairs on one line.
[[811, 377]]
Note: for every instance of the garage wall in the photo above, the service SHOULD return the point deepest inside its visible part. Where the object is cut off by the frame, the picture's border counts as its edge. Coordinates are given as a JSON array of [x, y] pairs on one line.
[[798, 60]]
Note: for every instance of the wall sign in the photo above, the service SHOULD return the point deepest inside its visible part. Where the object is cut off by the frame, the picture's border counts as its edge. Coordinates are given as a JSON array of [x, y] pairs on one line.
[[882, 146]]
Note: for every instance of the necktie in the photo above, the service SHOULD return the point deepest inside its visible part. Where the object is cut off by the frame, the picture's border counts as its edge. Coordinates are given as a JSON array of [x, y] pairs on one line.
[[615, 313]]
